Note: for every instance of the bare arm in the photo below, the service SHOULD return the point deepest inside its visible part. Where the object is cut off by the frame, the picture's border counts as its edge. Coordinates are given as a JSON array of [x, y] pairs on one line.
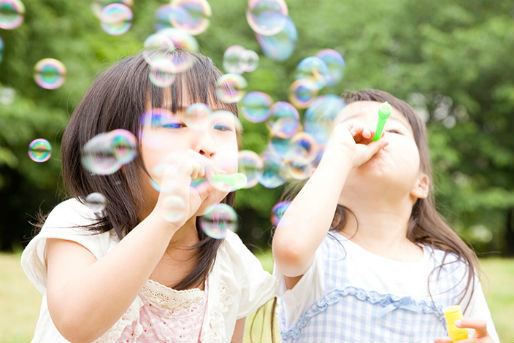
[[307, 219], [87, 296], [239, 331]]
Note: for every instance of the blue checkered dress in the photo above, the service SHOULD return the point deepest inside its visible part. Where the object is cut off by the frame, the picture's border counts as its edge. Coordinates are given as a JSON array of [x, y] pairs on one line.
[[346, 313]]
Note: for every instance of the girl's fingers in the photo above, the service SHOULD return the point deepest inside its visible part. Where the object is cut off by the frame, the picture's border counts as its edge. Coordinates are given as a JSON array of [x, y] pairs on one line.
[[443, 340], [479, 325]]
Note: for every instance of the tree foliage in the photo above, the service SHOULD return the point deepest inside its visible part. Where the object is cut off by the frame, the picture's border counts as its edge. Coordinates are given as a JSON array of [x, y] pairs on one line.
[[451, 60]]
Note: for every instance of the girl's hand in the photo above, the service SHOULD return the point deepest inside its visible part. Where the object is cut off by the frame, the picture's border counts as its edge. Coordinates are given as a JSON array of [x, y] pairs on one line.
[[178, 201], [479, 336], [353, 140]]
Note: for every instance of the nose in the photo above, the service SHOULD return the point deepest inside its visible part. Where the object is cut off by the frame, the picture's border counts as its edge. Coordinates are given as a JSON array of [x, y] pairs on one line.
[[204, 144]]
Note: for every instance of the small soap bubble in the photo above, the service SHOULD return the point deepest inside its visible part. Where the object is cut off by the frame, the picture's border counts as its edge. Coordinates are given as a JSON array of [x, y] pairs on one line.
[[284, 120], [96, 202], [116, 19], [320, 116], [272, 170], [157, 180], [335, 64], [124, 144], [277, 212], [192, 16], [162, 72], [302, 93], [11, 14], [40, 150], [163, 17], [157, 47], [303, 146], [230, 88], [196, 114], [250, 164], [173, 208], [49, 73], [313, 69], [256, 106], [280, 47], [267, 17], [233, 59], [278, 145], [98, 155], [99, 5], [1, 49], [181, 41], [298, 168], [151, 122], [250, 61], [217, 220]]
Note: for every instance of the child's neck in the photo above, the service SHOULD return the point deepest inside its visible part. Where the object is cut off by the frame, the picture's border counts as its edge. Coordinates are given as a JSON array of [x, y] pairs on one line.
[[382, 229]]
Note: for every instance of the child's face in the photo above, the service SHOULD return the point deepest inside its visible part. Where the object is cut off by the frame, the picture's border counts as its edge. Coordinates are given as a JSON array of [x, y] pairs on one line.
[[396, 168], [213, 136]]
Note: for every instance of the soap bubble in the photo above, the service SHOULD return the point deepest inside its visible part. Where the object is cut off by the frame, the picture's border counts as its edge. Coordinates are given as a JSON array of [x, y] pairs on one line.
[[173, 208], [320, 116], [96, 202], [162, 16], [217, 220], [191, 16], [157, 47], [278, 145], [40, 150], [272, 171], [278, 211], [99, 5], [196, 114], [267, 17], [162, 72], [313, 69], [230, 88], [250, 164], [335, 64], [302, 93], [49, 73], [124, 144], [116, 19], [233, 59], [280, 46], [181, 41], [256, 106], [150, 122], [1, 49], [284, 120], [11, 14], [237, 60]]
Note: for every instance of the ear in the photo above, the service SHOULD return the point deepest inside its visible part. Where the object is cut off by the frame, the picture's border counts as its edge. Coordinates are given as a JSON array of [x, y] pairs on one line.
[[421, 187]]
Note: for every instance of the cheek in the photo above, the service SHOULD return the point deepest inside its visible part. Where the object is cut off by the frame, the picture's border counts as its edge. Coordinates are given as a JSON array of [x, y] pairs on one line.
[[227, 155]]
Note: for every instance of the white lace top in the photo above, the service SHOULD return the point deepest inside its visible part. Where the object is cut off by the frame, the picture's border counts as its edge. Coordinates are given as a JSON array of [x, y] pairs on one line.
[[236, 286]]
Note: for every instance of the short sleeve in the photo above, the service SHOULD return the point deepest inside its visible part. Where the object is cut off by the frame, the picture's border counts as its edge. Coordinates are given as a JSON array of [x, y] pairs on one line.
[[308, 289], [63, 222], [257, 285], [478, 309]]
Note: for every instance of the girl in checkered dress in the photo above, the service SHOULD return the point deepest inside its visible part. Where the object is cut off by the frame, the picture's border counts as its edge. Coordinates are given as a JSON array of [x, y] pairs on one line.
[[383, 267]]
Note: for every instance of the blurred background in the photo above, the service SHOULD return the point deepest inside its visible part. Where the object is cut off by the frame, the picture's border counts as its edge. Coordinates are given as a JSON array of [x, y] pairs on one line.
[[453, 61]]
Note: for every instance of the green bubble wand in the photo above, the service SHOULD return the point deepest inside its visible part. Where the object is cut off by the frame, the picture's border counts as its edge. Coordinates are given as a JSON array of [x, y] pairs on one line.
[[236, 180], [384, 111]]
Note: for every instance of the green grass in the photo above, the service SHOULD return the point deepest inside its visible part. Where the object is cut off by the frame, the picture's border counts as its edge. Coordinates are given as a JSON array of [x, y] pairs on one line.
[[19, 300]]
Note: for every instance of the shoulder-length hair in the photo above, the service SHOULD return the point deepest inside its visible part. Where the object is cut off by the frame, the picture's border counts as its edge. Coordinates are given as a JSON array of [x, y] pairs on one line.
[[116, 100], [426, 226]]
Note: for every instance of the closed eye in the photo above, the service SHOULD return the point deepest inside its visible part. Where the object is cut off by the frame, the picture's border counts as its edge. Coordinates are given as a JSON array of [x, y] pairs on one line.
[[395, 131]]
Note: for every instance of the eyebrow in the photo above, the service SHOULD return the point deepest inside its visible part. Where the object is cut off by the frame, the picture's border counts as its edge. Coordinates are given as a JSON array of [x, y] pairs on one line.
[[402, 121]]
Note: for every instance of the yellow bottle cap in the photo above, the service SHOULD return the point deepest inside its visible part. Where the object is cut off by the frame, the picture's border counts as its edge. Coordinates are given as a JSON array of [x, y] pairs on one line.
[[452, 314]]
